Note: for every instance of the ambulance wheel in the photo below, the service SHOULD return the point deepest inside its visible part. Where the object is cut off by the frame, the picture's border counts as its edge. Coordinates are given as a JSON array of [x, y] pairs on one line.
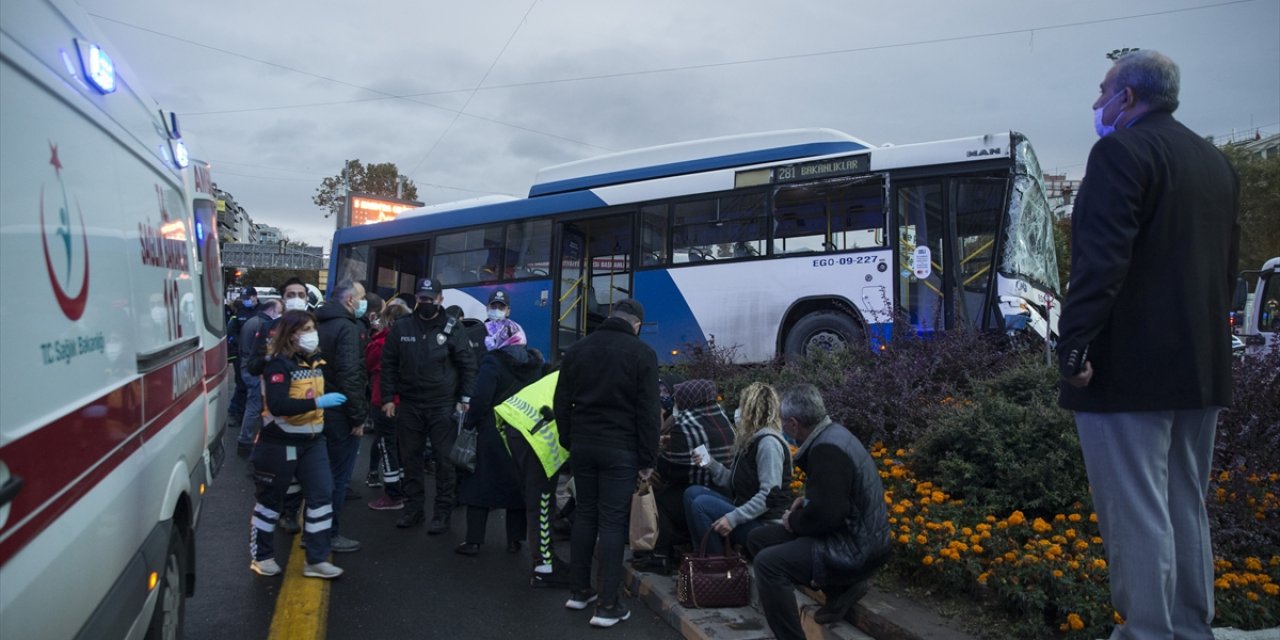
[[171, 601], [828, 331]]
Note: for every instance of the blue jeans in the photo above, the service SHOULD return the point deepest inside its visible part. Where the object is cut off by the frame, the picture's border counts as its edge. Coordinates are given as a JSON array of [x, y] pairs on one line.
[[702, 507], [605, 478], [344, 448], [252, 408]]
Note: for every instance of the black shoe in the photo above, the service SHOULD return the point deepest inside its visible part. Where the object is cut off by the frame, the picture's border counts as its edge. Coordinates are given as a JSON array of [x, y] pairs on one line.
[[244, 449], [411, 519], [467, 549], [607, 616], [653, 563], [289, 524], [839, 602], [373, 480], [513, 546], [439, 525], [579, 600], [557, 579], [351, 494]]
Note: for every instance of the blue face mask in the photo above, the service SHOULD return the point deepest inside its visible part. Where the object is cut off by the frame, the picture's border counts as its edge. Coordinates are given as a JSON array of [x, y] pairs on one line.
[[1103, 130], [361, 308], [248, 303]]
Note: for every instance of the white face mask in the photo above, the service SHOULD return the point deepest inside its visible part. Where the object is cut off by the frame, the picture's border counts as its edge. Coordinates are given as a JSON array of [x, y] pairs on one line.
[[1105, 130], [295, 304], [497, 314], [309, 341]]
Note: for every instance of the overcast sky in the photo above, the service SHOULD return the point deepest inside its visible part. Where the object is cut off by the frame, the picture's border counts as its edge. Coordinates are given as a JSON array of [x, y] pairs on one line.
[[276, 95]]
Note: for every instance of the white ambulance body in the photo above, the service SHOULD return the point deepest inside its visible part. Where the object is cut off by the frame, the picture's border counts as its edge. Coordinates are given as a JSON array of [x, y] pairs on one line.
[[103, 414], [219, 375]]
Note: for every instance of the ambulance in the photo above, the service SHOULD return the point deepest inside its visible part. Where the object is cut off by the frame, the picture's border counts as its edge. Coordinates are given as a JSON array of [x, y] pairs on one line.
[[110, 339]]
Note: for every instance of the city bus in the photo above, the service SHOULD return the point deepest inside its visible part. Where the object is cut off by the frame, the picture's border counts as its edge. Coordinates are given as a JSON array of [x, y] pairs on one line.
[[763, 245]]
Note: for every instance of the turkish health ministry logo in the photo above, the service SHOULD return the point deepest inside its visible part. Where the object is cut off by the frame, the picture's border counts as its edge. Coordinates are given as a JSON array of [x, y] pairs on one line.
[[60, 274]]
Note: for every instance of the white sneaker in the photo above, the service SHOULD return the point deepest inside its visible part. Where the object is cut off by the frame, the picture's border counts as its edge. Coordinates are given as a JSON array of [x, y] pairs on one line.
[[266, 567], [324, 570]]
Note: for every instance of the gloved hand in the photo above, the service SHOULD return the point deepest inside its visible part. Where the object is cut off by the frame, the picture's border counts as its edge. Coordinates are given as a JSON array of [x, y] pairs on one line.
[[329, 400]]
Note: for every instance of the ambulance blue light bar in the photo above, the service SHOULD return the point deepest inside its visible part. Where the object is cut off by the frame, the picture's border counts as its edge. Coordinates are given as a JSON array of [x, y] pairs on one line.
[[98, 68], [180, 156]]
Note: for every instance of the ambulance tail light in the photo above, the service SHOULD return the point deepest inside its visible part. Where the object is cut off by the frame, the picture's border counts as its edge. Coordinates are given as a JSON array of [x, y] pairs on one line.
[[152, 580]]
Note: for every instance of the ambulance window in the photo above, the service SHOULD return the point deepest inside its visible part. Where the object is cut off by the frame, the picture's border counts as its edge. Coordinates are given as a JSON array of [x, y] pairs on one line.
[[207, 250]]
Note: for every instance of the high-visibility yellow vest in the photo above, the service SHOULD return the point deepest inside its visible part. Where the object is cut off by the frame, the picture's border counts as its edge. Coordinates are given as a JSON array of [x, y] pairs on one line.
[[522, 412]]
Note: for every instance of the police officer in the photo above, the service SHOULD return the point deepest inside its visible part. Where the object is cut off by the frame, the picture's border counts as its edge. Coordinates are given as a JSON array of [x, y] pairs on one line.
[[429, 363]]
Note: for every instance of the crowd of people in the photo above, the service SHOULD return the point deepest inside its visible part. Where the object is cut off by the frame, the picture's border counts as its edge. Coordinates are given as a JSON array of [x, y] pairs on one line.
[[311, 376]]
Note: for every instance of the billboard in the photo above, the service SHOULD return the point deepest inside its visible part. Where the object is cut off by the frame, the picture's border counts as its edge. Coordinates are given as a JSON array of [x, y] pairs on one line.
[[368, 209]]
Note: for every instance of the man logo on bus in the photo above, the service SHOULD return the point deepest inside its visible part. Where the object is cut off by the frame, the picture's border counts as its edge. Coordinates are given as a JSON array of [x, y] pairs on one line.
[[72, 307]]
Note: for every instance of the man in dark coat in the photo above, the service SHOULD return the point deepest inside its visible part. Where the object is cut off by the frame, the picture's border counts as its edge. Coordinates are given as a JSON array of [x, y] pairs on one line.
[[342, 342], [429, 363], [836, 536], [1144, 349], [607, 408]]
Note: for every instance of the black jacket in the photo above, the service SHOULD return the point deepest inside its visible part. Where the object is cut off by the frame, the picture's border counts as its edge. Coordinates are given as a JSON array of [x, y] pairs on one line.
[[607, 394], [1155, 236], [844, 506], [496, 483], [428, 362], [342, 343]]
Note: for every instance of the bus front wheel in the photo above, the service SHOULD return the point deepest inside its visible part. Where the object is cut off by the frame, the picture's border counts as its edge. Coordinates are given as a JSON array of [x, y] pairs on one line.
[[822, 331]]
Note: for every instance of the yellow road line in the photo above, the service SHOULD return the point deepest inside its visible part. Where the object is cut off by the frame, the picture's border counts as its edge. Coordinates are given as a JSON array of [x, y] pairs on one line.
[[302, 608]]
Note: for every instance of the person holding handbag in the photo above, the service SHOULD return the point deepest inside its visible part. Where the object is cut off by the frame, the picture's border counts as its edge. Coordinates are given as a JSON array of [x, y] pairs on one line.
[[757, 483], [509, 366]]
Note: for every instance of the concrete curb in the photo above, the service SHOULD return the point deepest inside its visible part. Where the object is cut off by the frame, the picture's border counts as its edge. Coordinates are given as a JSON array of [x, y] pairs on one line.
[[658, 593]]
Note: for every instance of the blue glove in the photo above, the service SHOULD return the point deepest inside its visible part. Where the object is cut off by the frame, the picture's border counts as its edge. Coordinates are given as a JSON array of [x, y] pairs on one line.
[[330, 400]]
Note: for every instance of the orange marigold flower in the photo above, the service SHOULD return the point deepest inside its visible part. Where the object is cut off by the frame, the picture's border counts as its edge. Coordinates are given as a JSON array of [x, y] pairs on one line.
[[922, 539], [1099, 564], [1074, 622], [926, 561], [1253, 564], [1119, 619], [1093, 517], [1057, 573], [977, 549], [1253, 597], [1075, 517], [904, 539], [982, 577], [1040, 526], [1271, 589]]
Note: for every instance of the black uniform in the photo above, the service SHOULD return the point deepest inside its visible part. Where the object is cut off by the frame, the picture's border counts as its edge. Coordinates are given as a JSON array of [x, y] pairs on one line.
[[431, 366]]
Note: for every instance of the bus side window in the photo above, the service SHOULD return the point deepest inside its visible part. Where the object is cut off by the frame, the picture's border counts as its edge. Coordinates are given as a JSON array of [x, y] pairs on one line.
[[528, 249], [653, 235]]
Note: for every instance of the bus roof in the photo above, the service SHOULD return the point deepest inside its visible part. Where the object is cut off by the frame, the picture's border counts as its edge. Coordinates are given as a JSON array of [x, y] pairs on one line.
[[612, 179], [692, 157]]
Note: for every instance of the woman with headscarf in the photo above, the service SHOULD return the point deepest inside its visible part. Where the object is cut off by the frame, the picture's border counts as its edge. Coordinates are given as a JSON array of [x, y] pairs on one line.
[[509, 366]]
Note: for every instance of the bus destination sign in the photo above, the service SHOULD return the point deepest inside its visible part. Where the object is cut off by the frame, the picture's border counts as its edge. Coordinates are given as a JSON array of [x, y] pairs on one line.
[[821, 168]]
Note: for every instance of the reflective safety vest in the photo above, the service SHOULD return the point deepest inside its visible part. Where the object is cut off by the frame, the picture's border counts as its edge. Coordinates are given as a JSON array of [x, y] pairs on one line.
[[522, 412]]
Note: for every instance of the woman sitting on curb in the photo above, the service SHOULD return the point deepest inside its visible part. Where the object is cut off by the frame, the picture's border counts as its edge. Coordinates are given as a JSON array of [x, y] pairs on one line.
[[757, 481]]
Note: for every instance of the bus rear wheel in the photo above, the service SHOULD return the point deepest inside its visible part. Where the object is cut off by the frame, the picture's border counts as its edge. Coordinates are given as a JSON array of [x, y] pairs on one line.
[[822, 331]]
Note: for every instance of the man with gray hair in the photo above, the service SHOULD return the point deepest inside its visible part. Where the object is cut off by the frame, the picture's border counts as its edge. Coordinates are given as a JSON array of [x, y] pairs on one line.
[[835, 537], [342, 341], [1155, 235]]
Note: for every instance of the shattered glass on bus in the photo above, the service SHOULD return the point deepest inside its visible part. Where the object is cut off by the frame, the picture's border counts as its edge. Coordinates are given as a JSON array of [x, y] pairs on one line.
[[1028, 251]]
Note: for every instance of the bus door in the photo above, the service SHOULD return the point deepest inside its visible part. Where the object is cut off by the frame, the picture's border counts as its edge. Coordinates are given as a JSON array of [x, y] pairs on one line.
[[398, 268], [594, 270], [947, 234]]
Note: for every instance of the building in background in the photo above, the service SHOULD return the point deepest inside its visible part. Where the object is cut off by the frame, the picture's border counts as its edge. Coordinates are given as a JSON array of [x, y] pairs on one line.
[[1061, 193], [268, 234]]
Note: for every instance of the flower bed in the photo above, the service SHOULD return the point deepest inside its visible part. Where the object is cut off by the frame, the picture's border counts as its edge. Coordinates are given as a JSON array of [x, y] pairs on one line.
[[986, 487]]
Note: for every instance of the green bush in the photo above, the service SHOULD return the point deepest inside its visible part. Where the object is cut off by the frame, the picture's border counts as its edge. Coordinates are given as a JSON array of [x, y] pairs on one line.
[[1006, 446]]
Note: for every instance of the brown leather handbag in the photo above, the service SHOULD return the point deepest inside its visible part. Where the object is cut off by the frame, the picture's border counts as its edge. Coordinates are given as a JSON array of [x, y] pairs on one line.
[[708, 582]]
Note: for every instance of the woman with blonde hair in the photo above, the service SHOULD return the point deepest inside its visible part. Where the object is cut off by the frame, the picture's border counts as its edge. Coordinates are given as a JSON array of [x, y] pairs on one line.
[[757, 482]]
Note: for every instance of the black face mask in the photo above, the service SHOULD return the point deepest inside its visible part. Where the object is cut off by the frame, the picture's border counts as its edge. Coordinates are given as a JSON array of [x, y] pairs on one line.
[[426, 310]]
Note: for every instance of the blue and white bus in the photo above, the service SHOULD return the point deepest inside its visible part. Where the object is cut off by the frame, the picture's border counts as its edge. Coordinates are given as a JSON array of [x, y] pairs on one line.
[[765, 244]]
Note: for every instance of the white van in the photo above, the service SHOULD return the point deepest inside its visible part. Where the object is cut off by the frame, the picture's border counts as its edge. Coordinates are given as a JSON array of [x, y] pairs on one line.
[[103, 413], [1262, 317]]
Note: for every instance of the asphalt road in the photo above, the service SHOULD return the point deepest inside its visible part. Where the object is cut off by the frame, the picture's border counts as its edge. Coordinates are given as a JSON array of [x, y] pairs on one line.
[[401, 584]]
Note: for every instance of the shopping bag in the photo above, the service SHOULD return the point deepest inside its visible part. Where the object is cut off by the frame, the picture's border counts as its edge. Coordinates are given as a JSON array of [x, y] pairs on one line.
[[463, 453], [644, 518], [714, 581]]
